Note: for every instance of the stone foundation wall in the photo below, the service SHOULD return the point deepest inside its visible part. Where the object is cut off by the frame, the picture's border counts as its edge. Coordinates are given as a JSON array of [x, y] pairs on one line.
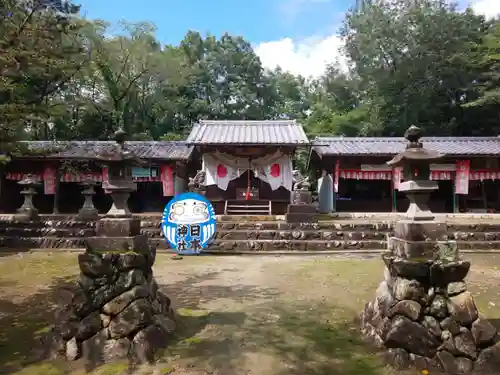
[[424, 315], [116, 312], [251, 236]]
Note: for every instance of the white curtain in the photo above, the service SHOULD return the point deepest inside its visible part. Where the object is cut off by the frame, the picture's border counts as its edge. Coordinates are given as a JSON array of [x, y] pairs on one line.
[[275, 169]]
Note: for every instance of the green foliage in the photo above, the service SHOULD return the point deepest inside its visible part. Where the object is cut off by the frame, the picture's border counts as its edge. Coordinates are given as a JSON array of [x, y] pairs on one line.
[[410, 62], [41, 50]]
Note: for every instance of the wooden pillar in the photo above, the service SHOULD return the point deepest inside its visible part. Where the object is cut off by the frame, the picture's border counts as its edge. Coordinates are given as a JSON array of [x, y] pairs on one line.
[[57, 185], [336, 182], [456, 207]]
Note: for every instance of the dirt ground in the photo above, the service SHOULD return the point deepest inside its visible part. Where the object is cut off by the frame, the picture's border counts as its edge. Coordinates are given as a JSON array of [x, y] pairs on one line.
[[238, 315]]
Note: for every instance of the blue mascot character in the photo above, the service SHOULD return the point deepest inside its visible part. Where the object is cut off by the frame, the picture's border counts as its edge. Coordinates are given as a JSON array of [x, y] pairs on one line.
[[188, 223]]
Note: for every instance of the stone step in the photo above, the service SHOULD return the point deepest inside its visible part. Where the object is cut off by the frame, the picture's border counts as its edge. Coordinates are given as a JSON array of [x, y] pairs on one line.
[[10, 243], [243, 210], [318, 245], [281, 225], [327, 235], [54, 224], [51, 232], [337, 226], [240, 234]]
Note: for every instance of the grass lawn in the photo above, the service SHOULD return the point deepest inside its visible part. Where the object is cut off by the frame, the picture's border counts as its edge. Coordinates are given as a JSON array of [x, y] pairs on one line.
[[238, 315]]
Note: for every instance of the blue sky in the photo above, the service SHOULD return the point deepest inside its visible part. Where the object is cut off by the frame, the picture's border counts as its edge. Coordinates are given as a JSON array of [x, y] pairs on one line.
[[300, 36], [257, 20]]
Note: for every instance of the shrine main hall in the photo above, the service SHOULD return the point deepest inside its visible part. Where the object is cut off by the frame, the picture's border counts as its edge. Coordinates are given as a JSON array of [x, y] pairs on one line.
[[249, 168]]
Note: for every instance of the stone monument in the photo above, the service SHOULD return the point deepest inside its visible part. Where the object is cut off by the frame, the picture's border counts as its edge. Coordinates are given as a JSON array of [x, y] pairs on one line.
[[301, 209], [119, 230], [325, 193], [28, 212], [88, 212], [116, 312], [423, 314]]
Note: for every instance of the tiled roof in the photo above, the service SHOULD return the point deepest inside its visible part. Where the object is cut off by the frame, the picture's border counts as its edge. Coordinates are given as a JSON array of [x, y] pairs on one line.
[[160, 150], [391, 146], [287, 132]]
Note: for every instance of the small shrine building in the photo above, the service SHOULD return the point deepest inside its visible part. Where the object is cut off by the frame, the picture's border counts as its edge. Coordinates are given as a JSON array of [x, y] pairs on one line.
[[248, 164], [468, 175], [62, 166]]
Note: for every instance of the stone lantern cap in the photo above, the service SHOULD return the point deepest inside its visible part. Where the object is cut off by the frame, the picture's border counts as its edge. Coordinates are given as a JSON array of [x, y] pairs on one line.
[[415, 150], [120, 153], [29, 180]]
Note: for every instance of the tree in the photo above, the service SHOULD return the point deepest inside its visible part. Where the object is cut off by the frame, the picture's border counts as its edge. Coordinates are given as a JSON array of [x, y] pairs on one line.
[[41, 50], [485, 103], [409, 57]]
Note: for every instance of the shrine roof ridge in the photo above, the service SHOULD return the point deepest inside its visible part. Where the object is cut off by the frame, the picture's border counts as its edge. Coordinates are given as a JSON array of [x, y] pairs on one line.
[[153, 150], [248, 132], [388, 146]]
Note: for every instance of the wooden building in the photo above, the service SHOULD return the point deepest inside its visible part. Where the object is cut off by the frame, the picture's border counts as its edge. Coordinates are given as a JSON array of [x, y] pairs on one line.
[[468, 175], [62, 166], [248, 164]]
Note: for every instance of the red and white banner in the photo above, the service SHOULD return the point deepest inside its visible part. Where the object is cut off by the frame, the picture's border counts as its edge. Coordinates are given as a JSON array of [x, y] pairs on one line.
[[49, 181], [441, 175], [365, 175], [275, 169], [462, 177], [397, 176], [336, 173], [18, 176], [484, 175], [167, 180], [105, 179], [80, 177], [278, 174]]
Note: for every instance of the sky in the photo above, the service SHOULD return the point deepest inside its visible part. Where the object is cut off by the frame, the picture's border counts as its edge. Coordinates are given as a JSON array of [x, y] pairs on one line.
[[300, 36]]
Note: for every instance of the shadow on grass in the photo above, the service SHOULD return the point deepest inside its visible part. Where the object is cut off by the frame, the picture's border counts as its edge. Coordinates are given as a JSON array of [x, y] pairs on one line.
[[293, 339], [23, 323]]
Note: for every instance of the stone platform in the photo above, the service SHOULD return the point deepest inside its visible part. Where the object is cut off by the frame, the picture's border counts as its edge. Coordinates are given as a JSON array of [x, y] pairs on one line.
[[254, 234], [116, 312], [423, 316]]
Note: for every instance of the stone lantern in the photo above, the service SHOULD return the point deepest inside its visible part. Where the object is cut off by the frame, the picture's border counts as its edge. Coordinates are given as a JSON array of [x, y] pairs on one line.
[[88, 211], [416, 163], [119, 162], [118, 229], [423, 315], [28, 212]]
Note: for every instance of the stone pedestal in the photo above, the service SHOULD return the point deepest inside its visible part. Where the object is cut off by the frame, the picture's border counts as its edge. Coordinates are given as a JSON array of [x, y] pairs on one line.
[[118, 234], [418, 193], [119, 207], [117, 311], [88, 211], [28, 212], [300, 197], [422, 240], [424, 316], [301, 213]]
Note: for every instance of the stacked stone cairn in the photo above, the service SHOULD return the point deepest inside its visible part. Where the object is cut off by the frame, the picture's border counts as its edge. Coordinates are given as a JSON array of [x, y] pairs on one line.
[[117, 311], [423, 315]]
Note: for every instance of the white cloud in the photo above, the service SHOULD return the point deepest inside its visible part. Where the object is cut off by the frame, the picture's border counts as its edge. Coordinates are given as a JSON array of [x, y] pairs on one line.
[[488, 8], [308, 57]]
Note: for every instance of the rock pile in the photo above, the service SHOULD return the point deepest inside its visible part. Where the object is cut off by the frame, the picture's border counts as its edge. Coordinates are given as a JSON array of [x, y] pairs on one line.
[[117, 311], [424, 316]]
